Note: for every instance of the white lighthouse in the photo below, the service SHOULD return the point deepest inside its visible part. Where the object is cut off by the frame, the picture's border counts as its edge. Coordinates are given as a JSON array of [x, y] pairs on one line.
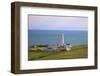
[[61, 38], [60, 46]]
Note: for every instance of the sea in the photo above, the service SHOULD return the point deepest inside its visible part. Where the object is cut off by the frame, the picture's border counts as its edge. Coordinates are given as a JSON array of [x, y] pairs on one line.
[[48, 37]]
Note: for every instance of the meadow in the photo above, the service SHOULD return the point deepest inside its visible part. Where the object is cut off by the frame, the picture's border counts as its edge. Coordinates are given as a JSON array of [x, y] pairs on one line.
[[78, 51]]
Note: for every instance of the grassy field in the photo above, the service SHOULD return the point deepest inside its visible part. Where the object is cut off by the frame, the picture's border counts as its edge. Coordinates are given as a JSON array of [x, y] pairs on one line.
[[79, 51]]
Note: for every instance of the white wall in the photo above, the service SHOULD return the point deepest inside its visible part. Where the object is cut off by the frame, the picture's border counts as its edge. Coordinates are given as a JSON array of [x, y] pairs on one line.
[[5, 33]]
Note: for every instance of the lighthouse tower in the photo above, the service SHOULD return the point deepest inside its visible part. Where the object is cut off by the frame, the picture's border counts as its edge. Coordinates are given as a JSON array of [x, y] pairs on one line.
[[62, 39]]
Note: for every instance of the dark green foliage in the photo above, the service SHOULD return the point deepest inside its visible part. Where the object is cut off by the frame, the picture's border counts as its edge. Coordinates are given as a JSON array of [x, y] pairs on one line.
[[42, 45]]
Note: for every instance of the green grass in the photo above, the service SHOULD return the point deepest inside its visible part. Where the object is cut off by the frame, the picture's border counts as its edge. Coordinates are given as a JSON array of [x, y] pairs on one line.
[[79, 51]]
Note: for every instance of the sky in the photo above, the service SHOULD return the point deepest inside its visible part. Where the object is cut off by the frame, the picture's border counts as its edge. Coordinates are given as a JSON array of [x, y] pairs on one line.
[[40, 22]]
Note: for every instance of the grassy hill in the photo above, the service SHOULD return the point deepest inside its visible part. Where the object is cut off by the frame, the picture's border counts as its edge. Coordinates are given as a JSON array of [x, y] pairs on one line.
[[79, 51]]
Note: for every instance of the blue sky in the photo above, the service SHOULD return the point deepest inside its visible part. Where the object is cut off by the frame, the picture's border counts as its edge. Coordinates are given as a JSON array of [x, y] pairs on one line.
[[39, 22]]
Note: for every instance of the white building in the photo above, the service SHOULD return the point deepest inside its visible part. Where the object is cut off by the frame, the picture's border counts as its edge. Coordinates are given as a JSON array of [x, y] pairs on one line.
[[60, 46], [68, 47], [63, 45]]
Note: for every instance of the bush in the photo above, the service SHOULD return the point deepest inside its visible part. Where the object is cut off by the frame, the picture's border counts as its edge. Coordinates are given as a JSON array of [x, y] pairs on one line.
[[42, 45], [38, 49], [63, 49]]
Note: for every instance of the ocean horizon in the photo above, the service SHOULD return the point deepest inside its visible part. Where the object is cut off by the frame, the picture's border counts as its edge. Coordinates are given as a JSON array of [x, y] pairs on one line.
[[48, 37]]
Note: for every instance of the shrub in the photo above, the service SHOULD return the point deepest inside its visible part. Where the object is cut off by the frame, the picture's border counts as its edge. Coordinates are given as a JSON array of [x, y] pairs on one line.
[[38, 49], [42, 45]]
